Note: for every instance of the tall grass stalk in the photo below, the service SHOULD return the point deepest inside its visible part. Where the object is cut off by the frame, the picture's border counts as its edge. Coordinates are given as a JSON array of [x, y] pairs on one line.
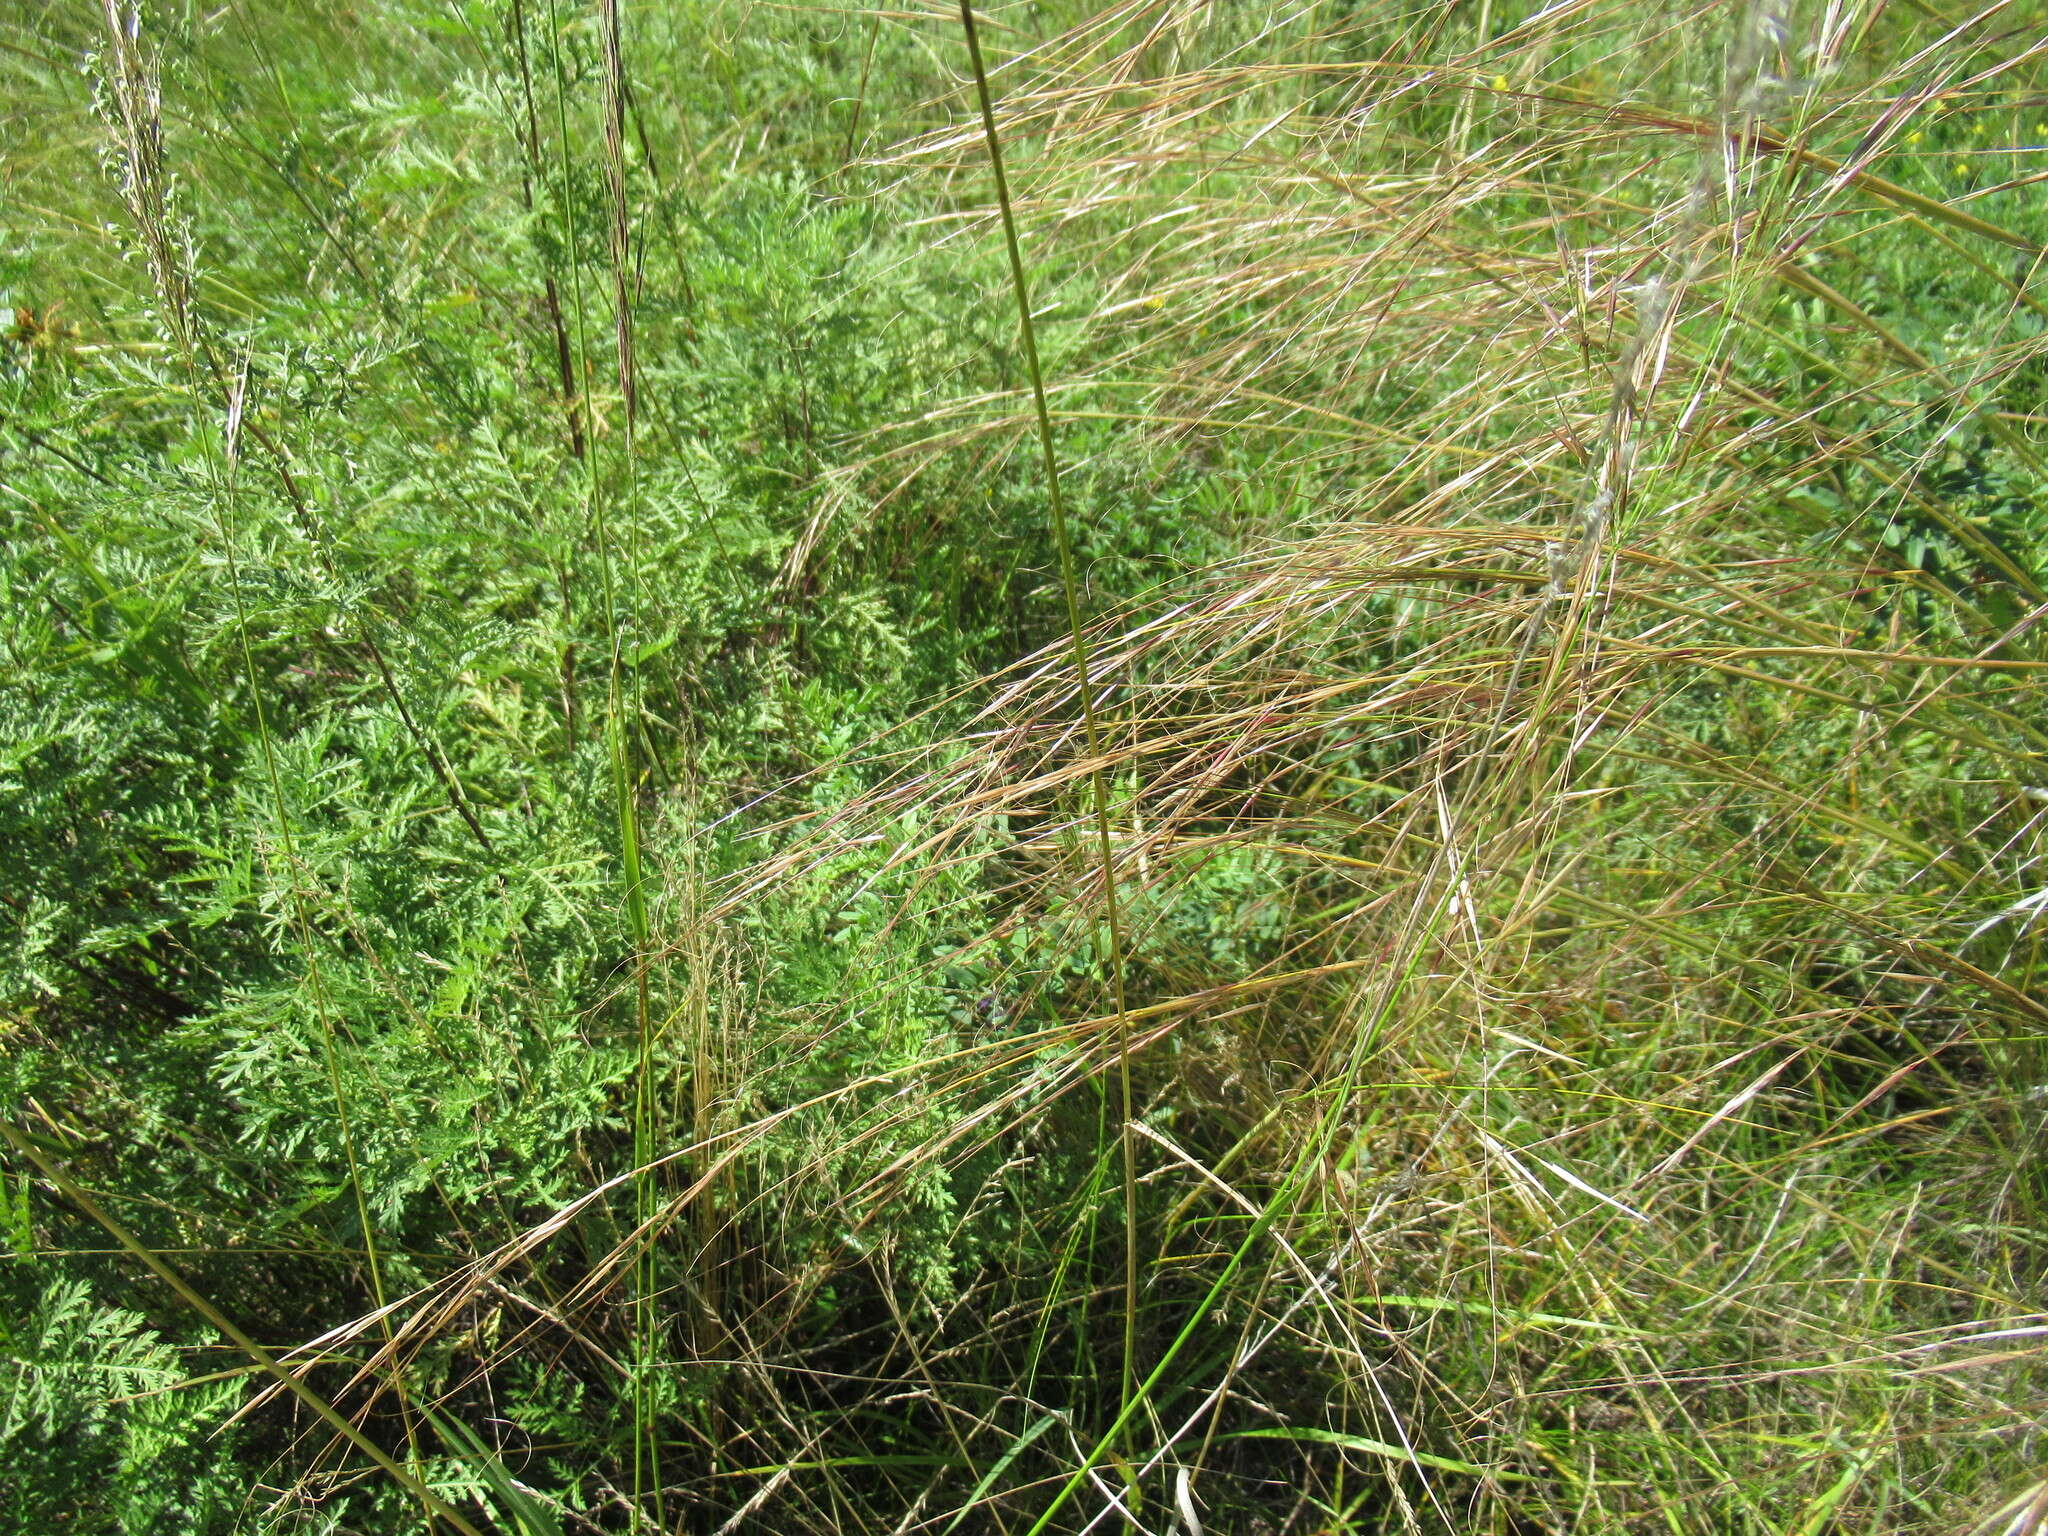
[[1086, 683], [620, 711], [624, 709]]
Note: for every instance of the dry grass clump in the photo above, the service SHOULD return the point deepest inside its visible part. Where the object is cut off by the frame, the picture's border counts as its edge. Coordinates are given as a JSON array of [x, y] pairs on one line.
[[1506, 998], [1627, 1116]]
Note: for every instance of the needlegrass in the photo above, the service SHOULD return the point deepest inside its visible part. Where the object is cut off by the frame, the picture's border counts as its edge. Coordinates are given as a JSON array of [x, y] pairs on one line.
[[1184, 767]]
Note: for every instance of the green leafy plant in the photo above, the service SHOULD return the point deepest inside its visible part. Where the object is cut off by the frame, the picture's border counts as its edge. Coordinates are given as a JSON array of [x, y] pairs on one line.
[[1202, 767]]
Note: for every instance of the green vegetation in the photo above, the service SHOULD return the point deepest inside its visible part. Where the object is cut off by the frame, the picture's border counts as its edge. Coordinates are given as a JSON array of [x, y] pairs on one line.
[[1384, 873]]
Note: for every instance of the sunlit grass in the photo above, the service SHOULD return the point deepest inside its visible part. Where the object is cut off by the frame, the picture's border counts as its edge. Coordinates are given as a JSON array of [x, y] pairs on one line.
[[1217, 770]]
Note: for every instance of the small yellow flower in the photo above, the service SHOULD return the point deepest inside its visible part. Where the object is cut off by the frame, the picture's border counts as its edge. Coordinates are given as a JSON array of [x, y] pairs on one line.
[[1156, 301], [1913, 137], [1500, 82]]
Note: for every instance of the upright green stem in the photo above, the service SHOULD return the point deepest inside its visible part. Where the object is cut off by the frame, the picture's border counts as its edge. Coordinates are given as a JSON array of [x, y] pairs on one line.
[[646, 1466], [646, 1442], [1084, 673]]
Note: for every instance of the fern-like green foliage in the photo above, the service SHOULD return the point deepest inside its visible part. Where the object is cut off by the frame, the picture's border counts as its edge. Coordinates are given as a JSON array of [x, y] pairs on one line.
[[99, 1427], [1557, 500]]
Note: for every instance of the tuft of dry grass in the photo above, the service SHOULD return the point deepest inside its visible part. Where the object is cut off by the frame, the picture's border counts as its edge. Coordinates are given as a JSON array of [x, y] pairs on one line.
[[1511, 1000]]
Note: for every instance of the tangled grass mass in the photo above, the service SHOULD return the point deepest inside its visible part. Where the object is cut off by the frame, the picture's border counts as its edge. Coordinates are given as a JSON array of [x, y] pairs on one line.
[[1201, 767]]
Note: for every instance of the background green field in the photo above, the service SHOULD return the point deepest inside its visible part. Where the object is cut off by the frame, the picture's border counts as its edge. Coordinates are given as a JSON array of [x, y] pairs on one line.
[[598, 934]]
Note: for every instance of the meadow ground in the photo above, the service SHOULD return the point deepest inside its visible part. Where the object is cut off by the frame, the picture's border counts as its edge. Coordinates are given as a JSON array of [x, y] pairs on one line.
[[1200, 767]]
